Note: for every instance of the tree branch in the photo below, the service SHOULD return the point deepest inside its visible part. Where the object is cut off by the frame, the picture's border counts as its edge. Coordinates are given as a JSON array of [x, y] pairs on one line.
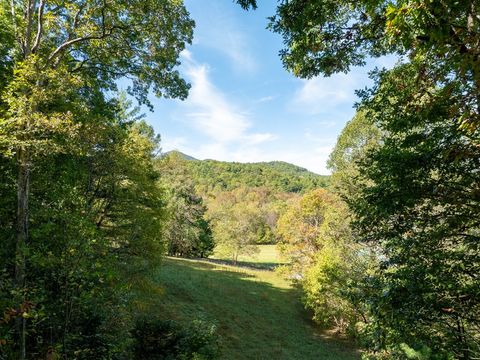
[[28, 31], [76, 18], [14, 18], [104, 34], [66, 44], [39, 26]]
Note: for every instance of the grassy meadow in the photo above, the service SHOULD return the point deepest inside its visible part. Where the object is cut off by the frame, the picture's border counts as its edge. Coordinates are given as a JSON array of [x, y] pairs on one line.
[[267, 257], [258, 314]]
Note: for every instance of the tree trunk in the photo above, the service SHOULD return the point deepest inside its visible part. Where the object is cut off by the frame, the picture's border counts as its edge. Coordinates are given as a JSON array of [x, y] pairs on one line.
[[23, 184]]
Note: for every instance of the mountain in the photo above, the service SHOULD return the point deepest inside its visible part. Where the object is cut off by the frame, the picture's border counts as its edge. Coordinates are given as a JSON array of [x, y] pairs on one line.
[[179, 154], [276, 175]]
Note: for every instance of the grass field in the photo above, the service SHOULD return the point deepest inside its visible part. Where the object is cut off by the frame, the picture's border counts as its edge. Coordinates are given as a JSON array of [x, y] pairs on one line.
[[268, 257], [258, 315]]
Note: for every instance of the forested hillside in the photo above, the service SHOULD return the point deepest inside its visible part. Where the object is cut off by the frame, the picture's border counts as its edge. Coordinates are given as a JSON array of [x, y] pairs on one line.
[[239, 216], [212, 175]]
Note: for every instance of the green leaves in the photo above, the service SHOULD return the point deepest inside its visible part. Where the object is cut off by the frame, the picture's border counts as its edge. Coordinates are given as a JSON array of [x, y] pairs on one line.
[[416, 203], [236, 221], [187, 232], [408, 163]]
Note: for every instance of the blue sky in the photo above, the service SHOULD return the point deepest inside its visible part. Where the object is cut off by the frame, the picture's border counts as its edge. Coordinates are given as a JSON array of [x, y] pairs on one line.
[[243, 106]]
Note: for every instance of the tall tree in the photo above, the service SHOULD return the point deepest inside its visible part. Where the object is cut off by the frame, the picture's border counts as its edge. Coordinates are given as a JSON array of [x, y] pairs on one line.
[[303, 228], [236, 221], [419, 202], [187, 232], [72, 46], [324, 260]]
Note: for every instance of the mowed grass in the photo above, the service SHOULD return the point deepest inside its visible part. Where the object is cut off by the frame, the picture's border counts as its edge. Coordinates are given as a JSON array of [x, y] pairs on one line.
[[257, 314], [268, 257]]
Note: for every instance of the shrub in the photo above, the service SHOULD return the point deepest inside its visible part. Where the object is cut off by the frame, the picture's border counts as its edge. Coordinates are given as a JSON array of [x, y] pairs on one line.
[[166, 339]]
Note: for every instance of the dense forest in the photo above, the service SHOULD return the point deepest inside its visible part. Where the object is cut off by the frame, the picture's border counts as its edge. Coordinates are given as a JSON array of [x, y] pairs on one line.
[[212, 175], [239, 202], [385, 252]]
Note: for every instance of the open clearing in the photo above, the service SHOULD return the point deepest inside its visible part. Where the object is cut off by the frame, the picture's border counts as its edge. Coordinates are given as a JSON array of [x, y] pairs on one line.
[[267, 257], [258, 315]]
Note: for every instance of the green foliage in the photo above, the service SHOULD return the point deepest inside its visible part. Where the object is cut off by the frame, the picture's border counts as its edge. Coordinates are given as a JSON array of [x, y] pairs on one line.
[[304, 226], [107, 41], [324, 260], [187, 232], [243, 202], [162, 340], [326, 37], [236, 224], [211, 176], [414, 194], [357, 137], [82, 212], [419, 204], [333, 286], [94, 232], [265, 235]]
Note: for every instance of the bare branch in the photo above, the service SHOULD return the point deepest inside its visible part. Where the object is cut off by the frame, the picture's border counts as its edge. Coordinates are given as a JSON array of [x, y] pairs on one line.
[[76, 19], [14, 18], [28, 31], [39, 26]]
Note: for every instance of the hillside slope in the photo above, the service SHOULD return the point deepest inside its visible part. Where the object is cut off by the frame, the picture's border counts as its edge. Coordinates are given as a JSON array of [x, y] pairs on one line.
[[258, 315], [278, 176]]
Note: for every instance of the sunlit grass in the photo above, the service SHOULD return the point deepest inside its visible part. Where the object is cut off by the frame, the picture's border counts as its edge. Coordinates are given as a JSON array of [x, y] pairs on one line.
[[268, 257], [257, 313]]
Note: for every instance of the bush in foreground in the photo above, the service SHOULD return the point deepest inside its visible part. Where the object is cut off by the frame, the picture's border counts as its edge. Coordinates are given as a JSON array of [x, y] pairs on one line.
[[166, 339]]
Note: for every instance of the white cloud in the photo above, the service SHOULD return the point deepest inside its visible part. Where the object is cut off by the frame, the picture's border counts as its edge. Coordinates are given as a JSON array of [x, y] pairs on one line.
[[324, 94], [235, 45], [186, 55], [259, 138], [320, 95], [218, 29], [173, 143], [212, 114], [265, 99]]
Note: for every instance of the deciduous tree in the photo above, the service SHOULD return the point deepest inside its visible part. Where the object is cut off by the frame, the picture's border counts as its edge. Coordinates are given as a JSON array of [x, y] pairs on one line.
[[76, 47]]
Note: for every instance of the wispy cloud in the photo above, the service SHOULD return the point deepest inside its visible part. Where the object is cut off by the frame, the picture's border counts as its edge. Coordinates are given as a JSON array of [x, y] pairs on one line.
[[227, 127], [320, 95], [235, 45], [324, 94], [265, 99], [212, 113], [219, 30], [259, 138]]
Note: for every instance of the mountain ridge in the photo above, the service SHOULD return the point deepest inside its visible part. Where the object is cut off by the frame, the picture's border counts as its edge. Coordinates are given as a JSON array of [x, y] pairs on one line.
[[272, 163], [276, 175]]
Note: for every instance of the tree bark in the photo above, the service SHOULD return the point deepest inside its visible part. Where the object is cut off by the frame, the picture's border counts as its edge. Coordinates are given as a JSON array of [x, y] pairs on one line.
[[23, 187]]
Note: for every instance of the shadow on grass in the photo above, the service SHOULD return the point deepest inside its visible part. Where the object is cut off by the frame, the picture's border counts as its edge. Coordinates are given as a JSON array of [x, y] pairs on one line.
[[256, 315], [244, 264]]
